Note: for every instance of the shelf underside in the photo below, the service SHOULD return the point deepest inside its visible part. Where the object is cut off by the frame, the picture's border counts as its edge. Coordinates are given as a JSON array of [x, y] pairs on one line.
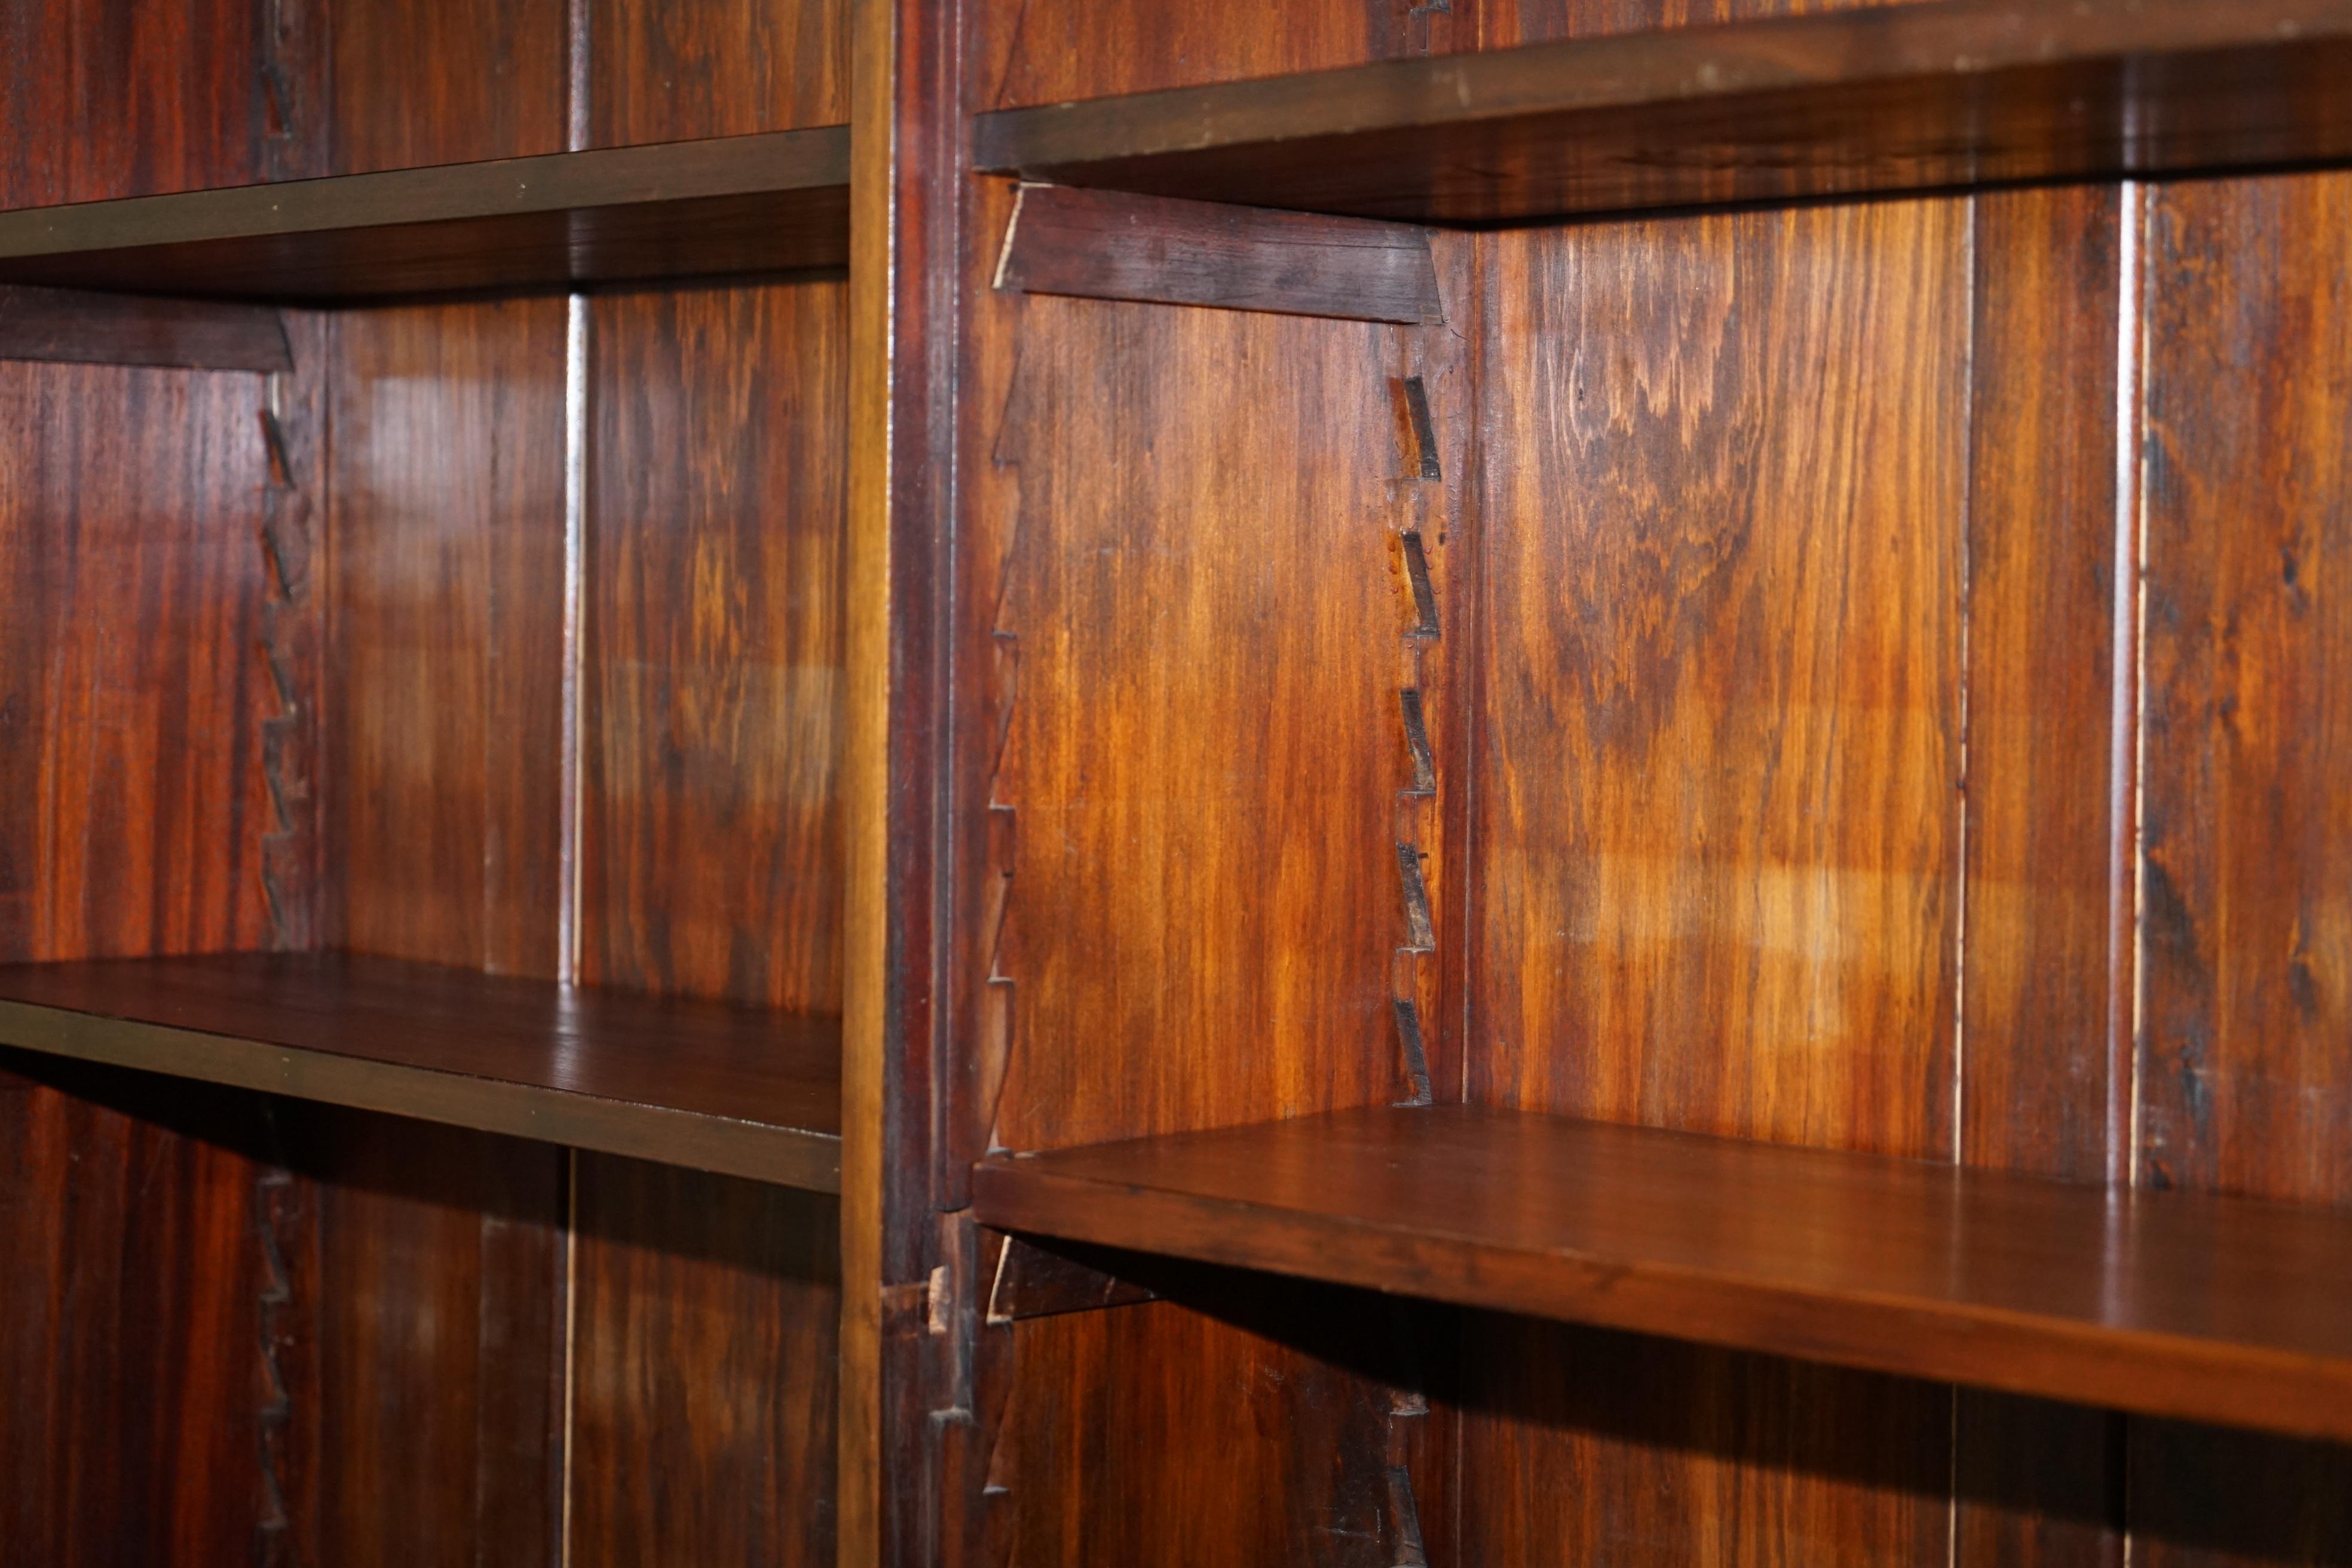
[[701, 1084], [775, 202], [1875, 99], [2163, 1303]]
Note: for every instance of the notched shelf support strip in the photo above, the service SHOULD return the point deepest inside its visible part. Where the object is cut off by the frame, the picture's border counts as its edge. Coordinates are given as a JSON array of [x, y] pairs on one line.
[[1103, 245], [69, 326]]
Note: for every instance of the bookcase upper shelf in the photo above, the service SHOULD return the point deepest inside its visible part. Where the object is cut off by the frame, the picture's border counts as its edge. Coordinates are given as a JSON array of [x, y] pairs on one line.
[[1898, 98], [2164, 1303], [773, 202], [733, 1089]]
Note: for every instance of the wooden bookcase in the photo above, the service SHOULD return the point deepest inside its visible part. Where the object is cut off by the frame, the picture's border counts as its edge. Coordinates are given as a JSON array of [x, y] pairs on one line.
[[1043, 782]]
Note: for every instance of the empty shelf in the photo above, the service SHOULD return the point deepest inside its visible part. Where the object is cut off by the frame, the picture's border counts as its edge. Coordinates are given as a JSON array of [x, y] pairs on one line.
[[717, 1088], [2164, 1303]]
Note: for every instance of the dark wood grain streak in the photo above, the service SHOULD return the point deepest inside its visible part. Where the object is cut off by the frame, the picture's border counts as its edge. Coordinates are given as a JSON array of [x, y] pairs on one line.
[[702, 1083], [2173, 1304], [1872, 99], [752, 204], [2245, 1085], [708, 1311], [1101, 245], [77, 327]]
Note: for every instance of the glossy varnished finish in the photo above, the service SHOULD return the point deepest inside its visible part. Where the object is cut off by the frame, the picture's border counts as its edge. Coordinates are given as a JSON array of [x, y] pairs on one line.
[[414, 83], [2245, 1082], [706, 1084], [1869, 100], [132, 1427], [712, 649], [2174, 1303], [707, 1312], [445, 742], [670, 70], [131, 703], [1718, 837], [767, 203]]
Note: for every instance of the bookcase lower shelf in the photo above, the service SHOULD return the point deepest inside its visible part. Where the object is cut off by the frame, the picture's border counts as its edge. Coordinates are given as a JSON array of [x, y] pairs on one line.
[[2160, 1304], [730, 1090]]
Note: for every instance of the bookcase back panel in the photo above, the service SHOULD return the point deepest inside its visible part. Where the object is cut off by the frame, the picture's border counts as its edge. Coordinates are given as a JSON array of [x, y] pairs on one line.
[[407, 83], [662, 72], [445, 703], [133, 689], [712, 660], [2245, 1078], [1509, 22]]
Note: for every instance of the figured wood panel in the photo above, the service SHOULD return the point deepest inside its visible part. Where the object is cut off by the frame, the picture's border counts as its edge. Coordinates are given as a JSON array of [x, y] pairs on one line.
[[1206, 611], [445, 744], [2044, 1064], [132, 1342], [1719, 839], [711, 853], [118, 97], [708, 1312], [417, 82], [2245, 1085], [664, 71], [132, 694], [427, 1369], [71, 326]]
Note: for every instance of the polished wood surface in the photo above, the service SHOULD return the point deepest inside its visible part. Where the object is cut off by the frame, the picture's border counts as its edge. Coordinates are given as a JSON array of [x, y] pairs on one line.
[[711, 645], [72, 326], [1101, 245], [706, 1313], [700, 1083], [2173, 1304], [752, 204], [672, 70], [444, 704], [412, 83], [1870, 100], [2245, 1080]]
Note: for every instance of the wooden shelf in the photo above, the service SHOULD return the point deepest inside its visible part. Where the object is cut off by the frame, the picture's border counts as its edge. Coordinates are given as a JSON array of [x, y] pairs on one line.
[[738, 204], [2163, 1303], [1898, 98], [717, 1088]]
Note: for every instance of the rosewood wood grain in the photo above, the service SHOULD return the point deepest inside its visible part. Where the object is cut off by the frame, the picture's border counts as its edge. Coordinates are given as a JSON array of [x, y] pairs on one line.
[[2244, 1082], [446, 579], [1717, 826], [72, 326], [416, 83], [698, 1083], [704, 1390], [133, 805], [667, 71], [123, 98], [1872, 99], [1101, 245], [2175, 1304], [1043, 51], [132, 1347], [711, 654], [422, 1340], [751, 204], [2045, 984]]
